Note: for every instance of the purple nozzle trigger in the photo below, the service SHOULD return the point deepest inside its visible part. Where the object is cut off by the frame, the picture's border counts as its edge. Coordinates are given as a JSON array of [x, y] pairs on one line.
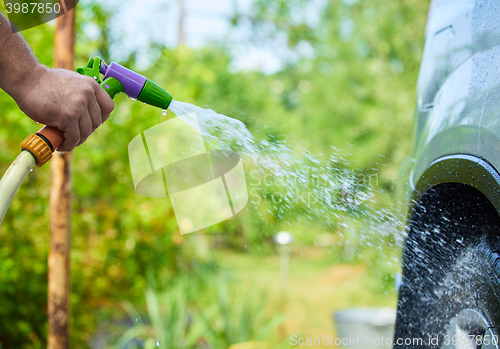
[[131, 81]]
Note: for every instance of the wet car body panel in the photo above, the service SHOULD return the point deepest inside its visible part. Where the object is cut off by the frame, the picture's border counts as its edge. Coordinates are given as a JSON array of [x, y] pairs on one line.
[[458, 101]]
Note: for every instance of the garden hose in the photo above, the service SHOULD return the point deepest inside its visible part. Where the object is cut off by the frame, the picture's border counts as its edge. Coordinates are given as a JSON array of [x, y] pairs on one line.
[[37, 149]]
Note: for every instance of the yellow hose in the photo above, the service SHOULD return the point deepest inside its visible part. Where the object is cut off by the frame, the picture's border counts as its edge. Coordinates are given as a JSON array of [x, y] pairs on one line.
[[12, 179]]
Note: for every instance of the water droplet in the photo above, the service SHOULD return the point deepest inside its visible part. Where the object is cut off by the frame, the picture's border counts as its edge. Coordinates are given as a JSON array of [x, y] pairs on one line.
[[133, 98], [60, 152], [157, 343], [95, 77], [164, 112], [37, 122]]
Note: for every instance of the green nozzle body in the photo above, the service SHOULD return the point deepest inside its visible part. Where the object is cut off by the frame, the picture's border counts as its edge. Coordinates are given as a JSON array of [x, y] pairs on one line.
[[154, 95]]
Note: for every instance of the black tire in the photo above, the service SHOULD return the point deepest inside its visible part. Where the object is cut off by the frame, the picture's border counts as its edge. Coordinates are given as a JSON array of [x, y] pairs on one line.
[[451, 270]]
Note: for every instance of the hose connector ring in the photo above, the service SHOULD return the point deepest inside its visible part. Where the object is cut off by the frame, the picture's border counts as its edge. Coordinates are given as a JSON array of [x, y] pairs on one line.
[[39, 148]]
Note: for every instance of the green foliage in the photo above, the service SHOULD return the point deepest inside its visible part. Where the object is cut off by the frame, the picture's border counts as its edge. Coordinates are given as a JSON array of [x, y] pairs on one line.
[[362, 75], [193, 312], [169, 319], [240, 314]]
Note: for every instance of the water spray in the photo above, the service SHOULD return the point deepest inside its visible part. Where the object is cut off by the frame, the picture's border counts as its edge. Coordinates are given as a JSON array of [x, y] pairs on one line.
[[37, 148]]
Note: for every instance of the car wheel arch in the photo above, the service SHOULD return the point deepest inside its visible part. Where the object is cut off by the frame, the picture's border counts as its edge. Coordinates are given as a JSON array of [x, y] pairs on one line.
[[458, 171]]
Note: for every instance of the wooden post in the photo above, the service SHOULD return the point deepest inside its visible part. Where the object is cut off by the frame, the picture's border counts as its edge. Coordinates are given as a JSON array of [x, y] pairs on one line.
[[60, 194]]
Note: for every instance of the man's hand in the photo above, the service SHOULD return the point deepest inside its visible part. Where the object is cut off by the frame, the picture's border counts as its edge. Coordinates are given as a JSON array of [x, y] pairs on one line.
[[74, 104]]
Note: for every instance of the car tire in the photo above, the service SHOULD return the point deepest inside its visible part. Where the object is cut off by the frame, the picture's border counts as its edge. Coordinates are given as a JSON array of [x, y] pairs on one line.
[[450, 296]]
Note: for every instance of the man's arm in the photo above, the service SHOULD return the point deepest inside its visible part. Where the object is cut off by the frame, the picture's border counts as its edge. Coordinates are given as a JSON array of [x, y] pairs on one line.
[[16, 61], [74, 104]]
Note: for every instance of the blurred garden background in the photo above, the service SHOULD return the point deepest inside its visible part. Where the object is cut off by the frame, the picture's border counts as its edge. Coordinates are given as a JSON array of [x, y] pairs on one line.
[[328, 76]]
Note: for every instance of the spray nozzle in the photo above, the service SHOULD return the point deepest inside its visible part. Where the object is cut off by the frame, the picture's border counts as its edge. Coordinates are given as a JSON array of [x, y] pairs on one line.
[[118, 79]]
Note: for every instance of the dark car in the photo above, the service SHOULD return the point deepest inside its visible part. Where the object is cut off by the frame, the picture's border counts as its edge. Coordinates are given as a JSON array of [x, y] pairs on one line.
[[450, 292]]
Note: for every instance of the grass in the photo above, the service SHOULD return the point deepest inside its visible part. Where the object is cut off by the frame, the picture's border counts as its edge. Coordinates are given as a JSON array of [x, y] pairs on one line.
[[241, 306], [211, 311], [318, 286]]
